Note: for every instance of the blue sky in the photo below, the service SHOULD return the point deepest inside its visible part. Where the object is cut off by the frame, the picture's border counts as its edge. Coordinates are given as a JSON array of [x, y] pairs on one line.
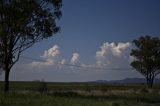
[[90, 28]]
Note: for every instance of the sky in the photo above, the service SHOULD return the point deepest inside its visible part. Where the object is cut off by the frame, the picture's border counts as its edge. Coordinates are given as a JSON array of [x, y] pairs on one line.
[[94, 42]]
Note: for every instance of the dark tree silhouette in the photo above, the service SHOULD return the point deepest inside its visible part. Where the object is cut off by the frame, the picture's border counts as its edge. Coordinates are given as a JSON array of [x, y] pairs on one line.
[[22, 24], [147, 57]]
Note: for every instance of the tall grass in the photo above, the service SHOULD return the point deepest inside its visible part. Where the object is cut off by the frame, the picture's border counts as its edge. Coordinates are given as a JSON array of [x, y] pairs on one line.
[[34, 99], [43, 99], [74, 86], [77, 94]]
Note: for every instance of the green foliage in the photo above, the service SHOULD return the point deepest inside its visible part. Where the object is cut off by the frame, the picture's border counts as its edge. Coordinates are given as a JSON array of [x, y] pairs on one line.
[[24, 22], [147, 57]]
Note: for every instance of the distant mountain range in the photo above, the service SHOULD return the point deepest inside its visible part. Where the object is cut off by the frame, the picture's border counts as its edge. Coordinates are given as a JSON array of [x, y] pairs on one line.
[[126, 81]]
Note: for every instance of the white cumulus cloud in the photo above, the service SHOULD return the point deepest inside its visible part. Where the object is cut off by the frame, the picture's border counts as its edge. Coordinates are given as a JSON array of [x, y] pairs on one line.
[[52, 52], [49, 57], [62, 62], [113, 55], [75, 58]]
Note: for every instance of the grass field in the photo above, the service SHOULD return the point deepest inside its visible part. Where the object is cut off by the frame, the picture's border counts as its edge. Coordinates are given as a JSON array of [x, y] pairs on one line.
[[78, 94]]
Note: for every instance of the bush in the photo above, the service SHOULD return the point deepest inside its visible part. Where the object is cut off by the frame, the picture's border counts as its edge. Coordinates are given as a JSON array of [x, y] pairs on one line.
[[65, 93], [115, 104], [42, 86], [144, 90]]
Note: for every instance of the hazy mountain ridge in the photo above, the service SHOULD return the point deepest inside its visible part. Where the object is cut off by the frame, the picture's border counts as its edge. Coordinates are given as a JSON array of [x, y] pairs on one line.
[[126, 80]]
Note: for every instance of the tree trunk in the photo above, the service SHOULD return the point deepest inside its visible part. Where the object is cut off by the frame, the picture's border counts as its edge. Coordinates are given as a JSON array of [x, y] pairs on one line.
[[150, 82], [6, 82]]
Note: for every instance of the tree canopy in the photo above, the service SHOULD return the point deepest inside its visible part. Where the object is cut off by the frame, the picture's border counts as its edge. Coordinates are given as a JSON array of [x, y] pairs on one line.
[[22, 24], [147, 57]]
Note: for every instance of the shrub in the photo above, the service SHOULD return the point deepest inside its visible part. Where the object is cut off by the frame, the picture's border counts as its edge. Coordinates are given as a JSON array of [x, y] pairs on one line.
[[42, 86]]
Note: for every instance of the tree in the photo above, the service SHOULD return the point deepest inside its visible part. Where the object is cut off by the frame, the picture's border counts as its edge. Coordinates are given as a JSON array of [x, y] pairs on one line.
[[22, 24], [147, 57], [0, 60]]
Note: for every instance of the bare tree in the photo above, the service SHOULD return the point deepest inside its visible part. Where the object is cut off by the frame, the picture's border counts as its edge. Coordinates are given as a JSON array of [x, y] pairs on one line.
[[147, 57], [22, 24]]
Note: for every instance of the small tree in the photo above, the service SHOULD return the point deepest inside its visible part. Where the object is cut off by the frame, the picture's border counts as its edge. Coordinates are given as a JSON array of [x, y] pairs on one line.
[[22, 24], [147, 57]]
